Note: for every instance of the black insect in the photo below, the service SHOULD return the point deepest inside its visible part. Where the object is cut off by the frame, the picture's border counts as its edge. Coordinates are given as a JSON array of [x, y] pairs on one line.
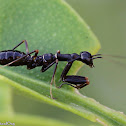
[[16, 58]]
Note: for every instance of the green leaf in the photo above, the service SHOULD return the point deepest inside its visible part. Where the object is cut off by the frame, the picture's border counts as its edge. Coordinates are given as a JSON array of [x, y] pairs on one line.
[[50, 26], [28, 120], [80, 105], [5, 99]]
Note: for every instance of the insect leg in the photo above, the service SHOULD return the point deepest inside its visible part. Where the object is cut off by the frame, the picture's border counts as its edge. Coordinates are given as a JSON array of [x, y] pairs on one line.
[[36, 53], [78, 81], [66, 70], [56, 61], [53, 79], [55, 83], [77, 86], [67, 84], [81, 86], [73, 80], [26, 45], [47, 67]]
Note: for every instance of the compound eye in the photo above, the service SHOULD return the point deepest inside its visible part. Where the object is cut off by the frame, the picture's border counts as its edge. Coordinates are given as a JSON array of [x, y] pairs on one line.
[[85, 55]]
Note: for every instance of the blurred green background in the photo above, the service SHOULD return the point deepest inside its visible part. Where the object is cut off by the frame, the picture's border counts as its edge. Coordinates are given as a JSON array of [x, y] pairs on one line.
[[107, 19]]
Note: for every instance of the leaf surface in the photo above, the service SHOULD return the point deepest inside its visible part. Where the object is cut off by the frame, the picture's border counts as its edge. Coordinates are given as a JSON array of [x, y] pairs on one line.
[[50, 26]]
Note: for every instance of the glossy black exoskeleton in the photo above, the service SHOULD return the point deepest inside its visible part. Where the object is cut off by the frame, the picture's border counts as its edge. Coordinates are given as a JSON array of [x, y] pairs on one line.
[[16, 58]]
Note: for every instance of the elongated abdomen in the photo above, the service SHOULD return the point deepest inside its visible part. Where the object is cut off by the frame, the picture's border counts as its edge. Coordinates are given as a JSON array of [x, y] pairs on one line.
[[8, 56]]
